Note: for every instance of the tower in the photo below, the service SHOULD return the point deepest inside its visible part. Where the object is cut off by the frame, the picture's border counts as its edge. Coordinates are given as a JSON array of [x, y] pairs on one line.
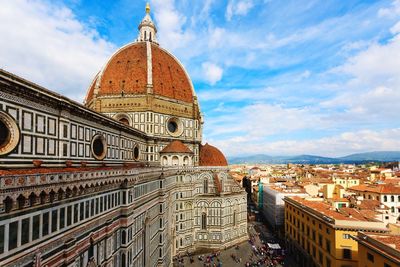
[[147, 29]]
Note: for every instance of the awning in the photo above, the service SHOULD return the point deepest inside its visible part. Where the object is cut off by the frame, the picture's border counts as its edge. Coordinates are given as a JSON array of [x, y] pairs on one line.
[[274, 246]]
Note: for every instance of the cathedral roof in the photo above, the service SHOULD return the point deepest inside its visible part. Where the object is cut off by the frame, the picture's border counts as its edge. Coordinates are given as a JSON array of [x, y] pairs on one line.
[[129, 72], [141, 68], [176, 146], [211, 156]]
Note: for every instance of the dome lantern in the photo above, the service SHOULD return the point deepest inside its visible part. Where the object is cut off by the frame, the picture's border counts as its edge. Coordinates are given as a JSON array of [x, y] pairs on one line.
[[147, 28]]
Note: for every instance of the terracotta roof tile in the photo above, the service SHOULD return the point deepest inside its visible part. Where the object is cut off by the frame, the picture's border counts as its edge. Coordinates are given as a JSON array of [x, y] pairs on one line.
[[390, 240], [169, 78], [176, 146], [371, 204], [381, 188], [349, 214], [126, 73], [211, 156]]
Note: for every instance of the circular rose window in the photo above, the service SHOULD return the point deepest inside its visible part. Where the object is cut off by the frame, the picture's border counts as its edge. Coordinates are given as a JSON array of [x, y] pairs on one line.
[[9, 134], [99, 147], [174, 127], [136, 153]]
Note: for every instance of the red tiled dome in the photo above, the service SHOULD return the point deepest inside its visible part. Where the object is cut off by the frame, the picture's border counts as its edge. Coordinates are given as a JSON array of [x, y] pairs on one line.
[[127, 72], [176, 146], [211, 156]]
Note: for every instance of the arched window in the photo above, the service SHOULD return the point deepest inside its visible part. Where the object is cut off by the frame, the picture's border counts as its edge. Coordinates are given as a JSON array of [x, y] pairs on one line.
[[385, 199], [123, 237], [145, 35], [175, 160], [8, 204], [32, 199], [150, 36], [123, 259], [203, 221], [205, 186], [21, 201], [165, 160], [392, 198], [91, 250], [234, 217], [185, 161], [392, 209]]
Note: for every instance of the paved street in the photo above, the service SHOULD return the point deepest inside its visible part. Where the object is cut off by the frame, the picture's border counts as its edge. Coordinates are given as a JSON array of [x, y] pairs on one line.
[[235, 256]]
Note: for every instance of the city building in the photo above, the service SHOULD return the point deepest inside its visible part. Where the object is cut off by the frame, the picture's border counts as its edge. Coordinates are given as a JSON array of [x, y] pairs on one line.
[[345, 181], [387, 194], [378, 250], [380, 173], [319, 235], [273, 206], [381, 211], [120, 181]]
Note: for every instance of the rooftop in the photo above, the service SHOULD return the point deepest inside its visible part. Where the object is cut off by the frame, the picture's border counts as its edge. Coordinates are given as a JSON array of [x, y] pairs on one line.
[[386, 245], [176, 146], [346, 214], [377, 188], [389, 240]]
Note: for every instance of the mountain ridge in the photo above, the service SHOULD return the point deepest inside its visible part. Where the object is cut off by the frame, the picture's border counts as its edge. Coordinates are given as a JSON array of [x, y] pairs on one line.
[[374, 156]]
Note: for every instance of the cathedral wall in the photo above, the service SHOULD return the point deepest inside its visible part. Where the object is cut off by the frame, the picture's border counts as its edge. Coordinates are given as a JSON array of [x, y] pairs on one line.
[[155, 125], [117, 216], [58, 131], [204, 217]]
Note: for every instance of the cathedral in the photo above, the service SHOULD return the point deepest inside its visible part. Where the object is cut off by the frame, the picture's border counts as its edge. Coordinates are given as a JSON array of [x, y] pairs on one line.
[[122, 180]]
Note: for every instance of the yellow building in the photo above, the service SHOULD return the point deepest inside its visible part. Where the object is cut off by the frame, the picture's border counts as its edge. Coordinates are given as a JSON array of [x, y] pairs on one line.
[[346, 182], [378, 250], [319, 235]]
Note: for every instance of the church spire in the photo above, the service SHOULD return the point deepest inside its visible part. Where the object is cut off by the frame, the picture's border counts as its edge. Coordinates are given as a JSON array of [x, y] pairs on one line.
[[147, 8], [147, 28]]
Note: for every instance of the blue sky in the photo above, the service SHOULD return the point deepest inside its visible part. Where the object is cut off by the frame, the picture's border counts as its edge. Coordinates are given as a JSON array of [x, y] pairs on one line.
[[275, 77]]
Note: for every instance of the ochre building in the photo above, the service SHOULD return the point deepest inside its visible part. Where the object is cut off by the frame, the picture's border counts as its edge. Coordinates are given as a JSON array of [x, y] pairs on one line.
[[123, 180], [378, 250], [319, 235]]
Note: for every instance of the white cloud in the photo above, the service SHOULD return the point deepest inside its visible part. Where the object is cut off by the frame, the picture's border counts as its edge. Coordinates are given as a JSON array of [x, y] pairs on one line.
[[45, 43], [170, 24], [372, 92], [375, 65], [396, 28], [259, 120], [302, 76], [212, 72], [393, 11], [241, 7], [258, 94]]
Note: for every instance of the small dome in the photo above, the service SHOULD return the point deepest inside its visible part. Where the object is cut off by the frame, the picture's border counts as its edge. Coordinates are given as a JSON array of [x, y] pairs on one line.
[[176, 147], [211, 156]]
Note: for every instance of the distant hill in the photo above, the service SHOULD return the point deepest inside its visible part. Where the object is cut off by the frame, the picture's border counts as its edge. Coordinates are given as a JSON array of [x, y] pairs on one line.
[[377, 156]]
